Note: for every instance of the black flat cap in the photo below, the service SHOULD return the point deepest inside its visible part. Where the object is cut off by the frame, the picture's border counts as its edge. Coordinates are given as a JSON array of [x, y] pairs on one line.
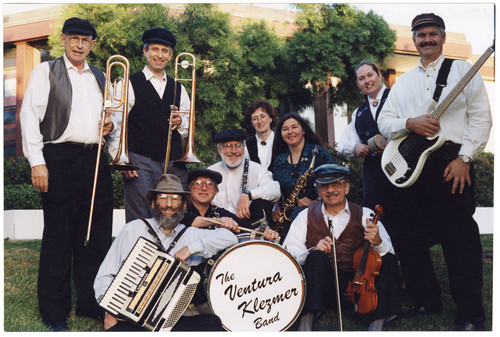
[[79, 26], [203, 172], [329, 173], [159, 35], [427, 19], [230, 135]]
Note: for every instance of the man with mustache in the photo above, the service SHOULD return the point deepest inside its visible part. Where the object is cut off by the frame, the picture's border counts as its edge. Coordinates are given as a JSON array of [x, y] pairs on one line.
[[310, 242], [247, 188], [439, 206], [150, 100], [168, 201]]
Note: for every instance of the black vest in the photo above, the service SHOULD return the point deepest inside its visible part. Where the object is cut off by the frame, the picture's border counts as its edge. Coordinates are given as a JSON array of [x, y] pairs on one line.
[[148, 120], [366, 126], [58, 110]]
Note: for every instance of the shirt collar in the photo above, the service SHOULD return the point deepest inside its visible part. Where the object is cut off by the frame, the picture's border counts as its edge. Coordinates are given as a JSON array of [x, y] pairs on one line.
[[431, 65], [379, 95], [70, 65], [149, 74], [161, 232]]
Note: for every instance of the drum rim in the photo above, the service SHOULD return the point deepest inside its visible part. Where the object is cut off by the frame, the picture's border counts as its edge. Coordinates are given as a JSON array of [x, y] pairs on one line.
[[274, 246]]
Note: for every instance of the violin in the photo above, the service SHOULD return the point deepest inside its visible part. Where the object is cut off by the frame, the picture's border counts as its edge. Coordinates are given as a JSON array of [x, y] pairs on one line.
[[367, 262]]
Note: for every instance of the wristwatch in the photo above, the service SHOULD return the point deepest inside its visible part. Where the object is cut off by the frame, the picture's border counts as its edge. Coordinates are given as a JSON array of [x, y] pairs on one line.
[[247, 192], [465, 159]]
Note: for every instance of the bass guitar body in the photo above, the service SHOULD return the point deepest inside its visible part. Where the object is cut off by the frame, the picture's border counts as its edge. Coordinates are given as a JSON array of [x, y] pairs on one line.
[[404, 158]]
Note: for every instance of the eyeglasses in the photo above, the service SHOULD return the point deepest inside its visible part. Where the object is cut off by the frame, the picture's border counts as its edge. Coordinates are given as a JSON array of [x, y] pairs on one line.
[[74, 40], [164, 198], [336, 184], [198, 184], [228, 146]]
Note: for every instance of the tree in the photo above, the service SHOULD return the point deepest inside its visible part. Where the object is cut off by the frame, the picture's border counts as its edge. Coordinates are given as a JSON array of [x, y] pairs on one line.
[[331, 40]]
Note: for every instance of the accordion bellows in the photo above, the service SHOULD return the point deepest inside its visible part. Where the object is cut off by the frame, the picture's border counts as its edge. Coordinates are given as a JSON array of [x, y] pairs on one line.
[[152, 288]]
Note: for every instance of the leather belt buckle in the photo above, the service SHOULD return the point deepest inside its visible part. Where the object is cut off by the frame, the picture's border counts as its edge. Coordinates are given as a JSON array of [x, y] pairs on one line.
[[88, 147]]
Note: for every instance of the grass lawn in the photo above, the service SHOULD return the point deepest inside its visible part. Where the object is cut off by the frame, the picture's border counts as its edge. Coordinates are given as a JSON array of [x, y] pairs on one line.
[[21, 308]]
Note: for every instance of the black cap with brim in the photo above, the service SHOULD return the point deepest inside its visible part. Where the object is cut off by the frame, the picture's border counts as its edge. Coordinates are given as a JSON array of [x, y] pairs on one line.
[[330, 173], [79, 26], [159, 35], [230, 135], [203, 172], [427, 19]]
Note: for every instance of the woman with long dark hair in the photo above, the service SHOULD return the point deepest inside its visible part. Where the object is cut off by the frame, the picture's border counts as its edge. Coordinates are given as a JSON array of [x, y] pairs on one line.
[[293, 153]]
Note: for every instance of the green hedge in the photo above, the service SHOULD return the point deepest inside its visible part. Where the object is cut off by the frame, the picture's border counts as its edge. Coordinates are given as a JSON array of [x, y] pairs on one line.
[[483, 165], [20, 194]]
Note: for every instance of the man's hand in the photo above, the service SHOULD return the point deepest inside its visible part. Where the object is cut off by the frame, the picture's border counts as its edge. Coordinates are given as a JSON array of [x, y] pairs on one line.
[[109, 321], [270, 235], [460, 173], [108, 124], [183, 254], [243, 207], [361, 150], [371, 233], [176, 117], [129, 174], [325, 245], [40, 177], [228, 223], [423, 125]]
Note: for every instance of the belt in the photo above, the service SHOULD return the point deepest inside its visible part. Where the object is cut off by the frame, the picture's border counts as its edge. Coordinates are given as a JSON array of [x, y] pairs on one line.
[[85, 146]]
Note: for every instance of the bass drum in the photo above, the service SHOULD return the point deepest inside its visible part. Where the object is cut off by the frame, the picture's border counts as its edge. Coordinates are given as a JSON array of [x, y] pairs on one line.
[[256, 286]]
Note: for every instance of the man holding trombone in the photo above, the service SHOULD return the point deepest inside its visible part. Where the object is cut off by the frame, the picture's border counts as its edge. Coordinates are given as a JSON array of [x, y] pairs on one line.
[[150, 100], [60, 118]]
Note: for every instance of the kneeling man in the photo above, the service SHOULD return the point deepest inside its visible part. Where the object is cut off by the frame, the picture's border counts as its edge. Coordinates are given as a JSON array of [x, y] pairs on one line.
[[310, 242]]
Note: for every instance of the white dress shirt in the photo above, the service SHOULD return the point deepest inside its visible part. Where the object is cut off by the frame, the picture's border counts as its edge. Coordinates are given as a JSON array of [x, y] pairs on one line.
[[350, 137], [86, 107], [260, 184], [468, 119], [295, 241], [202, 244], [159, 84]]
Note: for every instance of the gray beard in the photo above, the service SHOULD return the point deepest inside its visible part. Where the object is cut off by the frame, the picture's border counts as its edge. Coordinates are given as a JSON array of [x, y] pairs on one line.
[[171, 222], [232, 166]]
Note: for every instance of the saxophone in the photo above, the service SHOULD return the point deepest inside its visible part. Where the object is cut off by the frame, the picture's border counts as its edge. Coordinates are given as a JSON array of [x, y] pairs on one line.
[[293, 199]]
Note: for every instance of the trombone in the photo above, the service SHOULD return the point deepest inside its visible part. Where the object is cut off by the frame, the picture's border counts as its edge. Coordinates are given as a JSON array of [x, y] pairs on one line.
[[189, 155], [113, 102]]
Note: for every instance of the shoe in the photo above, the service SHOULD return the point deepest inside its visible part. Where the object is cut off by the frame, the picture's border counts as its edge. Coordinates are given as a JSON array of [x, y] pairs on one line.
[[468, 326], [422, 310], [377, 325], [57, 326]]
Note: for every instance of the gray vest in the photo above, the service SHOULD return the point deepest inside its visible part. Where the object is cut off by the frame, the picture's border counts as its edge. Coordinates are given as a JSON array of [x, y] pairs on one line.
[[59, 104]]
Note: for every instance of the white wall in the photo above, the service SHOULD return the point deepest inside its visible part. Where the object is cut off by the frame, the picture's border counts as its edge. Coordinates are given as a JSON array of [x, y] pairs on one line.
[[28, 224]]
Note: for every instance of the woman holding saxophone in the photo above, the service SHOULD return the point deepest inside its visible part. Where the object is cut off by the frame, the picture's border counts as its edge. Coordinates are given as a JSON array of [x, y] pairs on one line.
[[296, 152]]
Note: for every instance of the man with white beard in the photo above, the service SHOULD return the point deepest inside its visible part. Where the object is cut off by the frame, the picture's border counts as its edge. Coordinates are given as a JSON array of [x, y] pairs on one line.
[[247, 188], [192, 246]]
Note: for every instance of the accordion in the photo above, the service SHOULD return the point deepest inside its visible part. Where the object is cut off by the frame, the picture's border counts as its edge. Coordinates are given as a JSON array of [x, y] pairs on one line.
[[152, 288]]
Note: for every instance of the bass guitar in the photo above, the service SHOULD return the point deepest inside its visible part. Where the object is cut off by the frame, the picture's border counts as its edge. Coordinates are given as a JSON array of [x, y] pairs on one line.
[[404, 158]]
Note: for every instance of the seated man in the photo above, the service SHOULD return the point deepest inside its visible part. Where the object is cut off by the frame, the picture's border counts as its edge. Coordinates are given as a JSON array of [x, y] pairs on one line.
[[169, 202], [203, 185], [247, 188], [310, 242]]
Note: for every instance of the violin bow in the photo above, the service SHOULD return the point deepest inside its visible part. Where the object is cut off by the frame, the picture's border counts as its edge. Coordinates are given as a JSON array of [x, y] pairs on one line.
[[334, 255]]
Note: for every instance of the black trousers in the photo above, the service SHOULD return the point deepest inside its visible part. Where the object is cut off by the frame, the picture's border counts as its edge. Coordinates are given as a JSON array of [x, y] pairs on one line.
[[203, 322], [432, 215], [66, 209], [321, 291]]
